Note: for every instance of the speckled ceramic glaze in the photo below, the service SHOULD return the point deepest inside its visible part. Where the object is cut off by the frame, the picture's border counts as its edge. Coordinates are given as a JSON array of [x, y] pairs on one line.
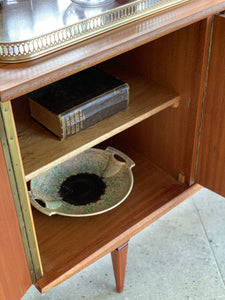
[[116, 174]]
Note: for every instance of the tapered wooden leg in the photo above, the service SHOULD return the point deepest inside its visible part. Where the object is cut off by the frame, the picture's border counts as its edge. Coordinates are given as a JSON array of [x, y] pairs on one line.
[[119, 261]]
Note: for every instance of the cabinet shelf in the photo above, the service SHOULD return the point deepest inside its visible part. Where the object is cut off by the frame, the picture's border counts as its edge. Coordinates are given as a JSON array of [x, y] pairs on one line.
[[41, 150], [67, 245]]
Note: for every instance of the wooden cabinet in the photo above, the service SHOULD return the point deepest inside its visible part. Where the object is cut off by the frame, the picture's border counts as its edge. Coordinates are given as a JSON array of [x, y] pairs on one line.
[[165, 60]]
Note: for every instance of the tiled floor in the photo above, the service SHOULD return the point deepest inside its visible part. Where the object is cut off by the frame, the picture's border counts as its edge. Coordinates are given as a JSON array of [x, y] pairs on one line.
[[180, 256]]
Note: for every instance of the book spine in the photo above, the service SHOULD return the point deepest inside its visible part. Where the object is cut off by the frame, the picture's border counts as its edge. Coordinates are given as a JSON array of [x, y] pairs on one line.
[[95, 110]]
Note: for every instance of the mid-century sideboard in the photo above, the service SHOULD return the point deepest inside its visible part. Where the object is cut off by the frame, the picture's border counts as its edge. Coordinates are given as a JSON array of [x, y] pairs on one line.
[[173, 129]]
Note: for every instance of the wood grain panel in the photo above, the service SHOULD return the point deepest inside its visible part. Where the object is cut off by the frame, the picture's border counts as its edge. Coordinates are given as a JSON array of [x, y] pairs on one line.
[[211, 166], [14, 273], [67, 245], [41, 150], [21, 78], [177, 61]]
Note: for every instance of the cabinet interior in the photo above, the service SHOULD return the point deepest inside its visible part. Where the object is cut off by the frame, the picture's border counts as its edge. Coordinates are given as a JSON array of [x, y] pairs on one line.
[[157, 131]]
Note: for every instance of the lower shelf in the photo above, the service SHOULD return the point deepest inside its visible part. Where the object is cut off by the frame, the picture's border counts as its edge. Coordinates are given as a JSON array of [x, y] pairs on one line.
[[68, 245]]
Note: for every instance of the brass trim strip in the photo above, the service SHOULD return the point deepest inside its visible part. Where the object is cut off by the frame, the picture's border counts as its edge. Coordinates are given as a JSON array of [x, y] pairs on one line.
[[19, 189], [70, 35]]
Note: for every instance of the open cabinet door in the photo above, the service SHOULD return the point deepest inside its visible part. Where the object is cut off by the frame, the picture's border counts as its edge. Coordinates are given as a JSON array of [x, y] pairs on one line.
[[211, 162], [14, 273]]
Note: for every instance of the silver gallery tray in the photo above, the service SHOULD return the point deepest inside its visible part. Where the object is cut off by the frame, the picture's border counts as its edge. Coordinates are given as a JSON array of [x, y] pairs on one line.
[[32, 28]]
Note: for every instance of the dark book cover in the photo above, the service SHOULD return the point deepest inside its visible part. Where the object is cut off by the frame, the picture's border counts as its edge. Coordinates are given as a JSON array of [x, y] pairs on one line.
[[78, 101]]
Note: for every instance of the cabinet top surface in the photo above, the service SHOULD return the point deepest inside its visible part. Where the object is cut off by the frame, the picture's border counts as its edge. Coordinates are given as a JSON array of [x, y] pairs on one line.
[[20, 78]]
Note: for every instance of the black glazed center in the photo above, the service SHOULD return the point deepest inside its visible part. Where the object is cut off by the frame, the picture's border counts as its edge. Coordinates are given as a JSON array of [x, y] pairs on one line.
[[82, 189]]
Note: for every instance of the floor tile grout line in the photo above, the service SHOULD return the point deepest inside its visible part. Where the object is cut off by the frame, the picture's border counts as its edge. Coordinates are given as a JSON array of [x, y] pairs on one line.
[[209, 244]]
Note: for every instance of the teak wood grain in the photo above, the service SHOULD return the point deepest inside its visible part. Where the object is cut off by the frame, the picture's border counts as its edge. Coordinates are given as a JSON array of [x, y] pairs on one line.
[[41, 150], [177, 61], [211, 166], [21, 78], [67, 245], [173, 57], [14, 274]]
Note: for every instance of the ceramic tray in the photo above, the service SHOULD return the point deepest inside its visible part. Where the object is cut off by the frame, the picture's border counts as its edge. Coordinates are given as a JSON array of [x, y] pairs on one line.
[[116, 175]]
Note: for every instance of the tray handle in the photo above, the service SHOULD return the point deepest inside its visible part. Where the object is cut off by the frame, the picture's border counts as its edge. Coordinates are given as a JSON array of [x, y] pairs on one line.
[[42, 209], [127, 159]]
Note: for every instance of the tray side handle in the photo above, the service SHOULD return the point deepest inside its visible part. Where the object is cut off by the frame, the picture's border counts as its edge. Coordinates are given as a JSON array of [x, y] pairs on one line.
[[127, 159], [42, 209]]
